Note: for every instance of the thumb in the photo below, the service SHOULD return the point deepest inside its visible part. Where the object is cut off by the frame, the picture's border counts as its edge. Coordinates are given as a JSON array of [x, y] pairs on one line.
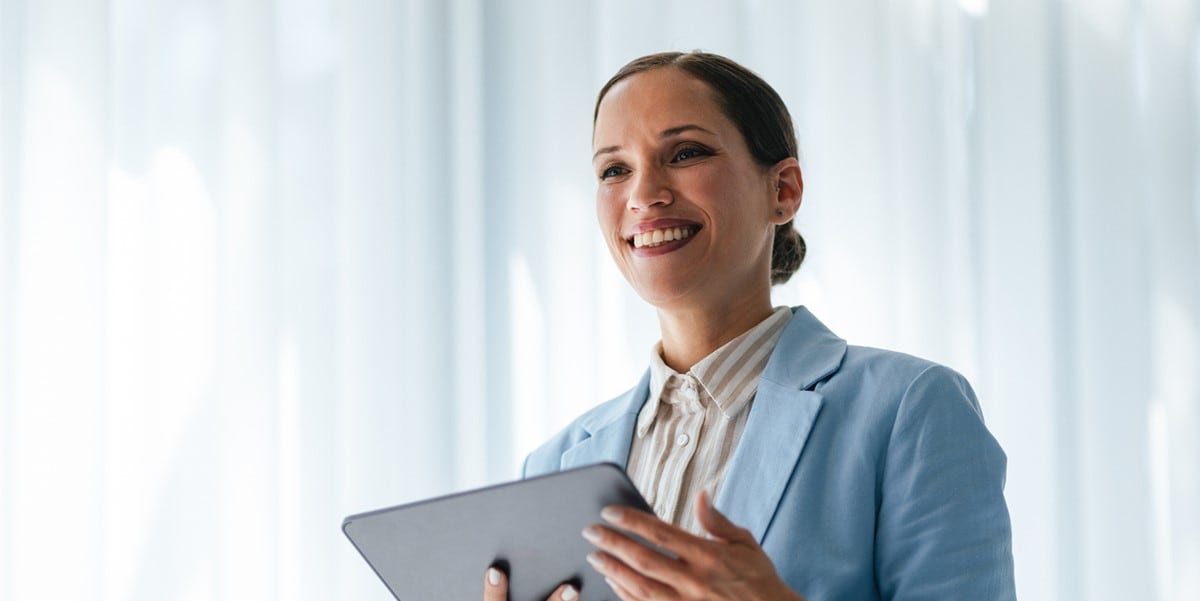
[[495, 587], [716, 524]]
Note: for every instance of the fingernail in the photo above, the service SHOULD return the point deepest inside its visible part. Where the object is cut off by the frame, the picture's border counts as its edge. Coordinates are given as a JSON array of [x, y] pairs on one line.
[[592, 534], [493, 576], [596, 561], [569, 593], [611, 514], [611, 584]]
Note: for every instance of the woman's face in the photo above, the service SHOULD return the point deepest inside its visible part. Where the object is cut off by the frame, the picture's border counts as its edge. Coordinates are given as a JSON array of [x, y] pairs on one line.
[[687, 213]]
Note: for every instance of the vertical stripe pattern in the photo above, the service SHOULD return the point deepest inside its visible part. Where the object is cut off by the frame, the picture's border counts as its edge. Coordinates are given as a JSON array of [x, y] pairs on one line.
[[691, 422]]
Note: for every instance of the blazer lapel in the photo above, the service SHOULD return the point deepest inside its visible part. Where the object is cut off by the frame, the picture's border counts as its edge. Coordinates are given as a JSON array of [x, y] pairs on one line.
[[610, 433], [783, 413]]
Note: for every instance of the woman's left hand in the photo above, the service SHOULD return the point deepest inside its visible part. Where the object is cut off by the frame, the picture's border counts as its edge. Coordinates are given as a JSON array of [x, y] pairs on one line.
[[730, 565]]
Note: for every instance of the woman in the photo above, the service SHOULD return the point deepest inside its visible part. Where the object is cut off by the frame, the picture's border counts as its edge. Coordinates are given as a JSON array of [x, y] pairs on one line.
[[838, 472]]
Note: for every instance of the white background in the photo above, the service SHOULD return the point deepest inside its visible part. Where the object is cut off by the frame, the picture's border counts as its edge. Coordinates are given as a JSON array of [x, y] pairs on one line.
[[266, 264]]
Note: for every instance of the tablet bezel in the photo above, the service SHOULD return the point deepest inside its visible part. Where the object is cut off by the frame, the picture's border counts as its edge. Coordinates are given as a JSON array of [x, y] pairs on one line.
[[530, 528]]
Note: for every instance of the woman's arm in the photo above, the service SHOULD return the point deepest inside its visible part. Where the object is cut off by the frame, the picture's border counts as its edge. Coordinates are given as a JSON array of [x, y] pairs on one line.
[[943, 529]]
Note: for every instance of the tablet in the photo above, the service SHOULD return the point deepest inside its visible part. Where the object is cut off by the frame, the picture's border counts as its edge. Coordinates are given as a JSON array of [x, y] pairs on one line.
[[439, 549]]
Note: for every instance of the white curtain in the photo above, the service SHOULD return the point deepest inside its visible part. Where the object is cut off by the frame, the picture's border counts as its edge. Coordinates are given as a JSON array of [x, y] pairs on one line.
[[264, 264]]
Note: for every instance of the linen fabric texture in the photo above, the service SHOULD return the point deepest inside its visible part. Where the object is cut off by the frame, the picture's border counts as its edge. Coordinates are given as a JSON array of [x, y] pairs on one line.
[[863, 473]]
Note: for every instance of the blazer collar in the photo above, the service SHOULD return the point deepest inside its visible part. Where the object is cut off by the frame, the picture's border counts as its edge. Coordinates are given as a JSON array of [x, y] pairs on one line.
[[806, 353], [609, 429], [781, 417]]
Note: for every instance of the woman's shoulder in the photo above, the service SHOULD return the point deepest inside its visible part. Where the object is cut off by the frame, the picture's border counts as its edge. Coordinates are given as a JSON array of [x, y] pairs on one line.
[[622, 408], [812, 357], [870, 364], [888, 392]]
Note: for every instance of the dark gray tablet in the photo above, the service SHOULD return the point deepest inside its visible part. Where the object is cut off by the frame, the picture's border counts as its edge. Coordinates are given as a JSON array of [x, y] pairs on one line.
[[439, 549]]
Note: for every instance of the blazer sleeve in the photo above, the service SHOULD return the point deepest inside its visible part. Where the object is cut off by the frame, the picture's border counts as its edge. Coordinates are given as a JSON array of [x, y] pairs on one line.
[[943, 528]]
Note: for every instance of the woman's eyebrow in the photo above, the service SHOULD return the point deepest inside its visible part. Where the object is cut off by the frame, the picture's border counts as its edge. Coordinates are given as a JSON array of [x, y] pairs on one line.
[[675, 131], [605, 150], [666, 133]]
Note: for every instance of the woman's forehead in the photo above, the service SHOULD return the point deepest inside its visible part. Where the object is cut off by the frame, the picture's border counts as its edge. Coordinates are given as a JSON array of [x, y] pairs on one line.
[[656, 101]]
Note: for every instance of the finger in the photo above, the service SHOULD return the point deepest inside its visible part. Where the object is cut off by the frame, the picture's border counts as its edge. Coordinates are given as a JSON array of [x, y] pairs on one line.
[[621, 549], [650, 527], [495, 585], [628, 582], [715, 523], [565, 592], [621, 591]]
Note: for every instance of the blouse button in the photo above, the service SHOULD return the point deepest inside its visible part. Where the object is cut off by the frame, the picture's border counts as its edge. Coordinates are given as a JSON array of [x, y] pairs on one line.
[[682, 439]]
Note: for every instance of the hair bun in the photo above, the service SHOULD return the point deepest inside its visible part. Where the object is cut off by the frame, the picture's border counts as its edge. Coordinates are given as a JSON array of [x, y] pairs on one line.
[[787, 253]]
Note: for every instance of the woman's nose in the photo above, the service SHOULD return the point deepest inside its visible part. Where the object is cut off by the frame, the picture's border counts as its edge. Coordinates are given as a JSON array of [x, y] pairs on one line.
[[650, 188]]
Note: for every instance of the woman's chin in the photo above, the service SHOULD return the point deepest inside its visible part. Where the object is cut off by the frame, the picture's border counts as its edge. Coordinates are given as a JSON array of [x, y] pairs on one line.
[[668, 292]]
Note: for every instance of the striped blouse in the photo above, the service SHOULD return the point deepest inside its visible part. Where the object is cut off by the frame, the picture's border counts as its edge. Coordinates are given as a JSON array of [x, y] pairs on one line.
[[691, 423]]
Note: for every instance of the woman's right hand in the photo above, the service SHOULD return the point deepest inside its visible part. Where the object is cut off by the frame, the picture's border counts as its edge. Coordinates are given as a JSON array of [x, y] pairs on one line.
[[495, 588]]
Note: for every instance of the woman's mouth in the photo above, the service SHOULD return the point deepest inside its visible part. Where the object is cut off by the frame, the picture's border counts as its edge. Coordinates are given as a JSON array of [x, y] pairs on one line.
[[662, 236]]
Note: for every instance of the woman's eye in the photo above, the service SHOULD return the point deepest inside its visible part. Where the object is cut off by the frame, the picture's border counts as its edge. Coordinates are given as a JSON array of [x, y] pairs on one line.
[[612, 172], [689, 152]]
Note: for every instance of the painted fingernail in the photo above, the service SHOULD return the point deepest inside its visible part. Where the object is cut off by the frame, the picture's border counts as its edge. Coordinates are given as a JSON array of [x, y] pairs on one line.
[[596, 561], [592, 534], [611, 514], [493, 576], [569, 593], [611, 583]]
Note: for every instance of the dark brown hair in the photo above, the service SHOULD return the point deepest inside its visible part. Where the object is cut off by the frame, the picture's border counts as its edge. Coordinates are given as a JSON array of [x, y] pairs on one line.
[[759, 114]]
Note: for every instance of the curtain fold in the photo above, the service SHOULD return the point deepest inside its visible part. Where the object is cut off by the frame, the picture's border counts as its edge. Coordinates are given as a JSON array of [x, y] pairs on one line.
[[265, 264]]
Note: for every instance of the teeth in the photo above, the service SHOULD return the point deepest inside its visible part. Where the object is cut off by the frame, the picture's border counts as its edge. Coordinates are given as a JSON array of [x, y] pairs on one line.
[[657, 237]]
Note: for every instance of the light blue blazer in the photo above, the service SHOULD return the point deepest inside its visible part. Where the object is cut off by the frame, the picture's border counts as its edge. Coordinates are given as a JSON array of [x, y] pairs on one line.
[[864, 474]]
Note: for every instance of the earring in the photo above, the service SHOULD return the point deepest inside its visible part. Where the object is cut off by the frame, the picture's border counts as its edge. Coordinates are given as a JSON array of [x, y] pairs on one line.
[[779, 212]]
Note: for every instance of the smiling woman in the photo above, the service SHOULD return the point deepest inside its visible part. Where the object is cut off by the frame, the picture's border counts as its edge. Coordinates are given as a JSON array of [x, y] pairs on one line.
[[681, 162], [257, 256], [838, 472]]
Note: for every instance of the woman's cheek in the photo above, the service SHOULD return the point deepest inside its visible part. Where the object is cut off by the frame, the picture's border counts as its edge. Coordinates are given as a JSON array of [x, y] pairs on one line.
[[608, 217], [605, 209]]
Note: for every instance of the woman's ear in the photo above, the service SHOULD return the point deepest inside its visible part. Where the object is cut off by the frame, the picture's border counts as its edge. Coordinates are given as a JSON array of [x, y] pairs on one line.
[[789, 188]]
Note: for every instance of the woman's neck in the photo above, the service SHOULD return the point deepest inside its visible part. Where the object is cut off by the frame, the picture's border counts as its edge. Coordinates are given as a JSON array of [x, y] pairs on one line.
[[691, 334]]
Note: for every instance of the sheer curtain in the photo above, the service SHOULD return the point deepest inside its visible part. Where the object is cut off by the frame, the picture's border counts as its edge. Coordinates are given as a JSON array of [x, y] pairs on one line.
[[265, 264]]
